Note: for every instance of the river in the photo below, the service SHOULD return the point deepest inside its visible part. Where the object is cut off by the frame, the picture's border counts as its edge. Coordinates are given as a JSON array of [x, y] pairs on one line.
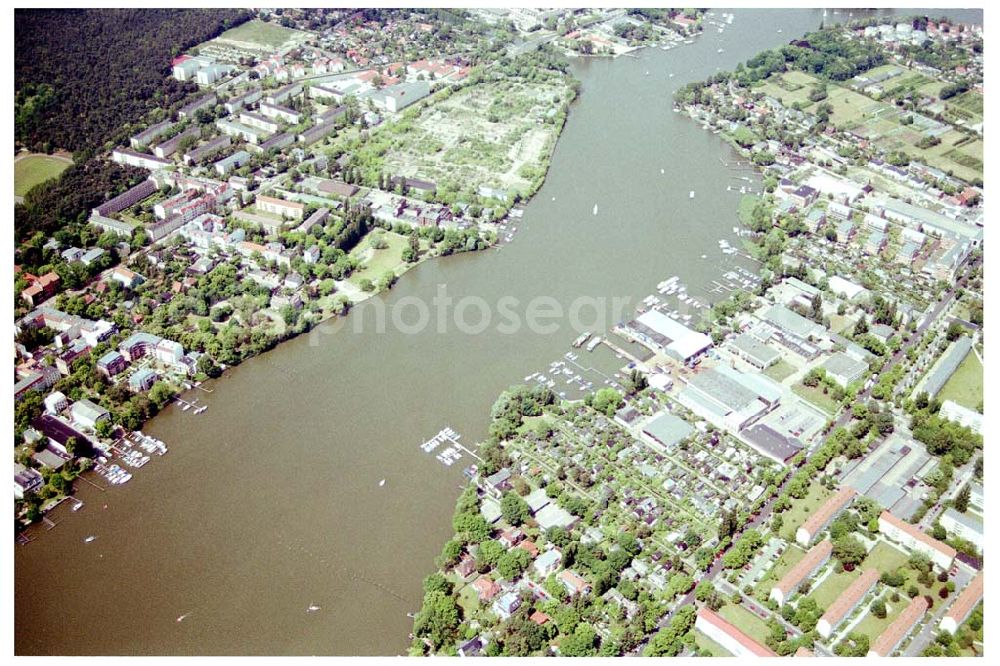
[[270, 501]]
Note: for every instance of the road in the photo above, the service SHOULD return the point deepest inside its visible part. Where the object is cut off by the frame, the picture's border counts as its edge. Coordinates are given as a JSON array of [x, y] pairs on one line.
[[845, 416]]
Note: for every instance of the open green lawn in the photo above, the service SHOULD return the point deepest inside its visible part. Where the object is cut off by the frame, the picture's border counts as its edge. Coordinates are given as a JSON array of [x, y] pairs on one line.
[[790, 87], [872, 626], [801, 509], [780, 370], [965, 386], [786, 561], [851, 108], [833, 586], [885, 558], [745, 621], [815, 396], [375, 263], [31, 170], [264, 34]]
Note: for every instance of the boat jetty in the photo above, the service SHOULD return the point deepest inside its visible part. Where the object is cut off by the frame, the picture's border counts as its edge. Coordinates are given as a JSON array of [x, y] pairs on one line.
[[453, 450]]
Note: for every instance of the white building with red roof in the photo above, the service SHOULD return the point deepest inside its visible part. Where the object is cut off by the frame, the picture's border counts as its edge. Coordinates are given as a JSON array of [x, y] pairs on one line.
[[728, 636]]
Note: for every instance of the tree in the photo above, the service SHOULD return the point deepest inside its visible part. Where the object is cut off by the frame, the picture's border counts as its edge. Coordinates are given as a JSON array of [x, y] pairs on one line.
[[513, 563], [437, 582], [581, 643], [878, 609], [438, 619], [962, 499], [514, 509], [849, 551], [607, 401], [669, 641]]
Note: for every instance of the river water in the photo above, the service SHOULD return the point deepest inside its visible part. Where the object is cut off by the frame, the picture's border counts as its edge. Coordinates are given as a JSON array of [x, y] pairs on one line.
[[270, 502]]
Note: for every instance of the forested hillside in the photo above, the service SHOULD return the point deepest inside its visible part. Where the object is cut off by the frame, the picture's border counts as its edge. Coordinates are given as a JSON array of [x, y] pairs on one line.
[[81, 76]]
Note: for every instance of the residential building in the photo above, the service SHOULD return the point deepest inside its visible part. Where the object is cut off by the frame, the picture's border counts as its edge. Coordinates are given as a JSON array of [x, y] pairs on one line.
[[822, 517], [141, 160], [963, 606], [142, 380], [847, 602], [55, 402], [963, 416], [506, 605], [486, 588], [111, 364], [260, 121], [548, 563], [286, 209], [895, 633], [728, 636], [964, 525], [573, 583], [26, 480], [912, 538], [280, 112], [188, 110], [145, 137], [815, 558]]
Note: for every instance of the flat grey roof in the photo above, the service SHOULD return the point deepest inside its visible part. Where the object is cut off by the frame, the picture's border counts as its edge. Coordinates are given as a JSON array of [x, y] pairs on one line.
[[724, 389], [751, 346], [772, 442], [668, 429]]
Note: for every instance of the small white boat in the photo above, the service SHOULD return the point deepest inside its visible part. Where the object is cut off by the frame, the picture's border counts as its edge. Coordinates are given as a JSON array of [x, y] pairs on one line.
[[381, 483], [662, 171], [89, 539], [595, 209], [78, 506], [312, 608], [181, 618], [691, 194]]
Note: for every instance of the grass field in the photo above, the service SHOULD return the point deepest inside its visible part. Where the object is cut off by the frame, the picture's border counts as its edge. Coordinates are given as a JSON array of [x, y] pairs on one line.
[[31, 170], [815, 396], [745, 621], [375, 263], [832, 587], [265, 35], [965, 386], [790, 87], [883, 557], [802, 509], [780, 370]]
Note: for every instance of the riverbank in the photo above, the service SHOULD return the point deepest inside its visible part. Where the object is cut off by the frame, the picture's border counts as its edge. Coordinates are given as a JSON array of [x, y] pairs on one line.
[[309, 430]]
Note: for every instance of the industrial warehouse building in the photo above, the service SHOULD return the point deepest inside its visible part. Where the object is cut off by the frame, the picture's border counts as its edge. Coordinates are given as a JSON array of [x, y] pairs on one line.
[[729, 398], [667, 335]]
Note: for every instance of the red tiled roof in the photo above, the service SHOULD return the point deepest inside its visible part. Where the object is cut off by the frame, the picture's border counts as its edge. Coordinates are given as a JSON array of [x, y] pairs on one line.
[[916, 533], [889, 639], [539, 618], [486, 588], [736, 634], [830, 508], [804, 567], [850, 597], [967, 600]]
